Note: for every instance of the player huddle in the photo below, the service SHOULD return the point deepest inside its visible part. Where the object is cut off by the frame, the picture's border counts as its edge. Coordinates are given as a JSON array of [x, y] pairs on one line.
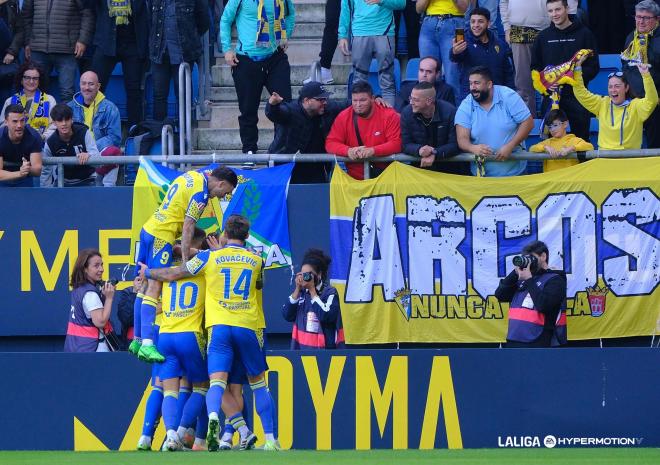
[[212, 291]]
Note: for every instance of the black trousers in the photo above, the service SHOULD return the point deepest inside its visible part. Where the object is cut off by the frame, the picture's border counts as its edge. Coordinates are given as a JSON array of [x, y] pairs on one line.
[[250, 77], [412, 21], [162, 74], [652, 129], [330, 32], [133, 68]]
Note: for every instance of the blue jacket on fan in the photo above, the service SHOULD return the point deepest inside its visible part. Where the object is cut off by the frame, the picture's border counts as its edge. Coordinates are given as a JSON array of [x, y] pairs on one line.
[[494, 54]]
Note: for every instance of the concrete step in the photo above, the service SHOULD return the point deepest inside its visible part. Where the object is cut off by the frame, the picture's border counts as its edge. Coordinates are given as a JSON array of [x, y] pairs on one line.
[[306, 51], [225, 115], [221, 74], [228, 94], [226, 139], [313, 12], [302, 31]]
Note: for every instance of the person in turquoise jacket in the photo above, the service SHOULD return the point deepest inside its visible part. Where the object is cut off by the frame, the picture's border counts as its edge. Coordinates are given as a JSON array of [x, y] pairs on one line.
[[259, 57], [370, 25]]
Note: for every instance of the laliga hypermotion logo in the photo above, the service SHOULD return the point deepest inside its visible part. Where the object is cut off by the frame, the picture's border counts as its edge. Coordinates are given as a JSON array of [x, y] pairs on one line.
[[402, 299], [596, 296]]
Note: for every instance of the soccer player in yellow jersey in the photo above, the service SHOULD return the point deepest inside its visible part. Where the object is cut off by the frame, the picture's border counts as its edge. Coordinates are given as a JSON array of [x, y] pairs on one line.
[[233, 318], [177, 216]]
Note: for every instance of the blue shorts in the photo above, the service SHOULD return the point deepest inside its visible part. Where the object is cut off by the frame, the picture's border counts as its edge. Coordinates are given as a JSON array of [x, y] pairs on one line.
[[237, 375], [184, 356], [155, 367], [153, 252], [227, 343]]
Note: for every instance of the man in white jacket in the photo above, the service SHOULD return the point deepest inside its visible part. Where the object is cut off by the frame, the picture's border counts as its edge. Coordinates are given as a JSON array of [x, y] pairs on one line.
[[522, 21]]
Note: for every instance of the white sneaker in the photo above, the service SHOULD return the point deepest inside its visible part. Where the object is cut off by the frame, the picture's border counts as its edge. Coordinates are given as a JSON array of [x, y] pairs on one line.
[[173, 444], [326, 76], [144, 443], [248, 441]]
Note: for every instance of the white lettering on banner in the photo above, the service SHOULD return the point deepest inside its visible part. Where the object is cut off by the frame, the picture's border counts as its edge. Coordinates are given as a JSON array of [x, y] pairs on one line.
[[374, 232], [425, 247], [518, 441], [577, 213], [551, 441], [516, 219], [567, 222], [623, 212]]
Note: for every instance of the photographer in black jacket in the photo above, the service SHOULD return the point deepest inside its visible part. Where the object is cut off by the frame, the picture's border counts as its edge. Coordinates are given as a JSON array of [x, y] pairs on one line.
[[537, 297]]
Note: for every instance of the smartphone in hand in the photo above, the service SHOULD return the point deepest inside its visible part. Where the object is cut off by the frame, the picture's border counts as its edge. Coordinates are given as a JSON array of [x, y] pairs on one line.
[[459, 34]]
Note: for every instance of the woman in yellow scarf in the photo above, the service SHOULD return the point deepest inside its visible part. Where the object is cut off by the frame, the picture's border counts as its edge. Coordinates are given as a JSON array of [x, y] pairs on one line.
[[30, 83]]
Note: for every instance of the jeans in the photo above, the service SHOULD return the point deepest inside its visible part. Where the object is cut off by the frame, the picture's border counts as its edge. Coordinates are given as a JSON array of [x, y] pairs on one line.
[[161, 74], [435, 39], [250, 77], [133, 69], [66, 67]]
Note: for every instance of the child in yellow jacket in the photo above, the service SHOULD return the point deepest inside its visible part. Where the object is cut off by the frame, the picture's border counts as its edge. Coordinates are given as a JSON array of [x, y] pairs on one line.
[[560, 144], [620, 118]]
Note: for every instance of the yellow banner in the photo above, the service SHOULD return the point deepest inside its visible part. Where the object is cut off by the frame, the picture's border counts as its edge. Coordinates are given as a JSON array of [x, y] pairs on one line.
[[417, 255]]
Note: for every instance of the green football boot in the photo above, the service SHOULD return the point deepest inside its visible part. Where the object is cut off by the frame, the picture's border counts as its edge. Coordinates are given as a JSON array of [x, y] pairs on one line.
[[212, 435], [272, 445], [150, 354], [134, 347]]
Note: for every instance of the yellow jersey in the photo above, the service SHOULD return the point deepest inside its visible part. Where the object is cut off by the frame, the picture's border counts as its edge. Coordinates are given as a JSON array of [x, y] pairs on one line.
[[187, 196], [569, 140], [183, 305], [231, 286], [443, 7]]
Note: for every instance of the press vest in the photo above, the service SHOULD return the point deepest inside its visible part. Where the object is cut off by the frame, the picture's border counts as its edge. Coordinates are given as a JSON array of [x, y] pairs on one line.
[[59, 148], [81, 334], [526, 324]]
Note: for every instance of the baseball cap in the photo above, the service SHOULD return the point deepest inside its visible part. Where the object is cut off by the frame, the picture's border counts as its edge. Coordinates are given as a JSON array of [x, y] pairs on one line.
[[314, 90]]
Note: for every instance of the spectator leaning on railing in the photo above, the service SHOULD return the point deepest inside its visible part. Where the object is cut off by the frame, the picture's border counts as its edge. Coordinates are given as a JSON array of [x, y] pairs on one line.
[[71, 139], [428, 131], [20, 150], [364, 130], [492, 122], [99, 114], [620, 117]]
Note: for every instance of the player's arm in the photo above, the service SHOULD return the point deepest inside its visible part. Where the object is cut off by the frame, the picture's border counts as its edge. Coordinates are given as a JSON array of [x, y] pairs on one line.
[[186, 237], [164, 274]]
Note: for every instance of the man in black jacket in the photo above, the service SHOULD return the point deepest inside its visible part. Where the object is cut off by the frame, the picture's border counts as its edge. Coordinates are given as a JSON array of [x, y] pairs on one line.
[[646, 34], [122, 35], [428, 131], [429, 70], [537, 296], [302, 126], [556, 45]]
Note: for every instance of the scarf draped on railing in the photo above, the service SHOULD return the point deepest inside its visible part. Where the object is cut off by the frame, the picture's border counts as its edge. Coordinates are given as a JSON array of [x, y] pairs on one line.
[[120, 10], [264, 37], [38, 114]]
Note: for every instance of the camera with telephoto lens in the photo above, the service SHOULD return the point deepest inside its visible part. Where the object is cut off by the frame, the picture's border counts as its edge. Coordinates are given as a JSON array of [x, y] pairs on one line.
[[101, 284], [307, 276], [523, 261]]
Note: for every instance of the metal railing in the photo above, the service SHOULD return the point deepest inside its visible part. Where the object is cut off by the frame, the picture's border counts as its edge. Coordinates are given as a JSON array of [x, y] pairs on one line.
[[271, 158], [185, 109], [204, 85]]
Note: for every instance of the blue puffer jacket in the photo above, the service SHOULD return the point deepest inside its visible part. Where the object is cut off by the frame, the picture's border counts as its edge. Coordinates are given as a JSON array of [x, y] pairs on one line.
[[106, 125], [494, 55]]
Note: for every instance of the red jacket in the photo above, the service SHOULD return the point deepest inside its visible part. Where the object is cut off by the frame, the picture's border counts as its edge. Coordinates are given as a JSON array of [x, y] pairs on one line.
[[381, 131]]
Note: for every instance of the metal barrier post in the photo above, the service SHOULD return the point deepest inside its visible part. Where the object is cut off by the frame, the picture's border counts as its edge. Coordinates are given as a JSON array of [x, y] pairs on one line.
[[367, 170], [204, 88], [167, 141], [185, 109], [60, 175]]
